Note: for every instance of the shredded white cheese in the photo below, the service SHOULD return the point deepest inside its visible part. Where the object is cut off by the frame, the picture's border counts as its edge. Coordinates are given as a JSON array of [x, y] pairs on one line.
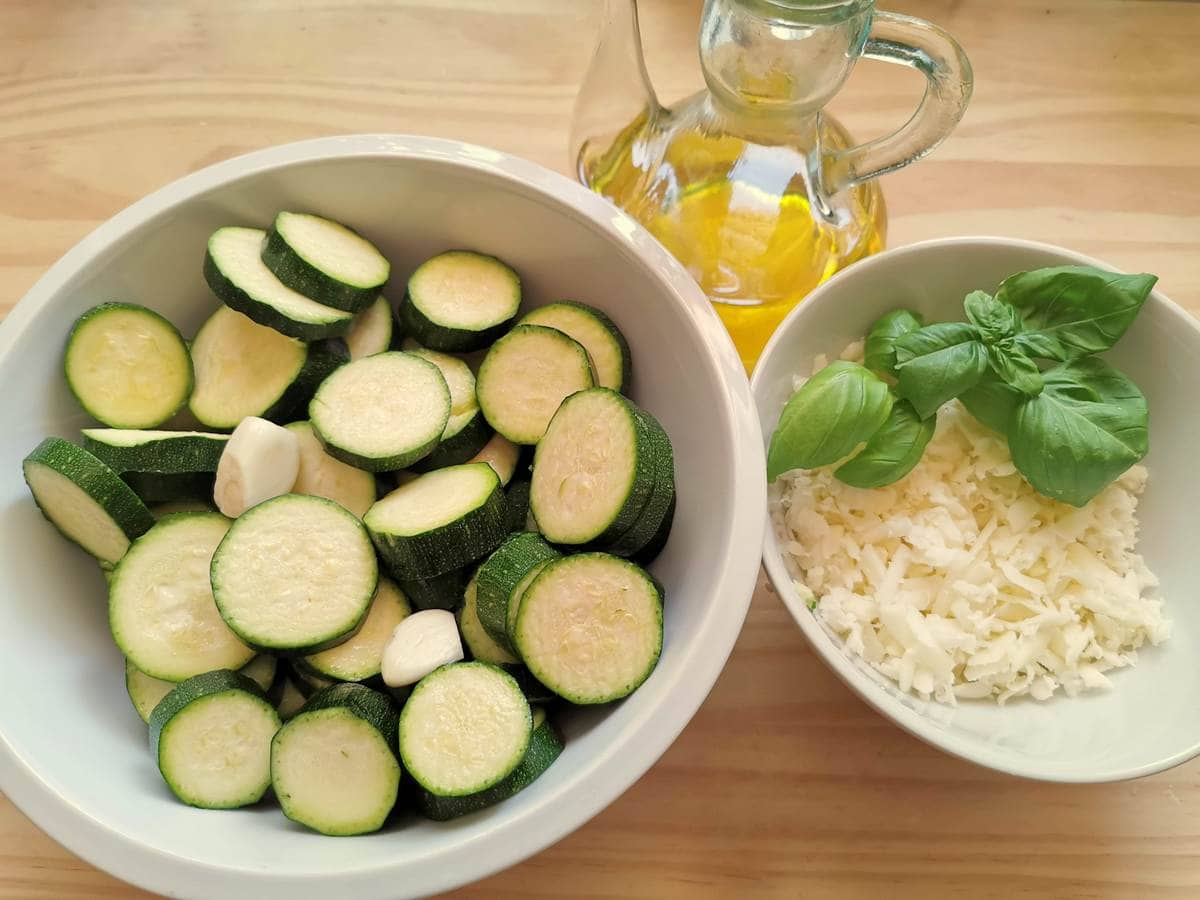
[[961, 581]]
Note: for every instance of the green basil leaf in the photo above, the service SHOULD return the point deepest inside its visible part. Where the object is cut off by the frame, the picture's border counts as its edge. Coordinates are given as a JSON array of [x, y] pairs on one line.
[[938, 363], [1074, 311], [1015, 369], [880, 349], [992, 402], [995, 319], [1088, 426], [892, 451], [833, 412]]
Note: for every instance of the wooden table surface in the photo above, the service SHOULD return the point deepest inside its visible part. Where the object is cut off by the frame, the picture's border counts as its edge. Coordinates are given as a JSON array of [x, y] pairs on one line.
[[1084, 130]]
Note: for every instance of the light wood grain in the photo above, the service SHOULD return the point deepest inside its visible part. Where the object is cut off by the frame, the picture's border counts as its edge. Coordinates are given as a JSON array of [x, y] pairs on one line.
[[1084, 130]]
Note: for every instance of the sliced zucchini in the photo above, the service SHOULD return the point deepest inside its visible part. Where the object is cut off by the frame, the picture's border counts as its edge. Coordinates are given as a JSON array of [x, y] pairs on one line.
[[235, 272], [438, 591], [334, 765], [424, 641], [503, 578], [438, 522], [291, 700], [162, 510], [144, 691], [658, 543], [307, 681], [382, 412], [599, 335], [501, 454], [516, 506], [661, 501], [590, 627], [182, 487], [160, 602], [373, 330], [261, 460], [594, 470], [464, 437], [481, 645], [460, 300], [246, 369], [294, 573], [526, 376], [262, 670], [545, 745], [460, 380], [322, 475], [361, 657], [465, 728], [85, 499], [127, 366], [211, 736], [164, 452], [325, 261]]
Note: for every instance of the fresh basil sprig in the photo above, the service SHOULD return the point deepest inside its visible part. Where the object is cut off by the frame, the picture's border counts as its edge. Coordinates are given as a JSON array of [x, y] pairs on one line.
[[996, 320], [892, 451], [879, 351], [937, 363]]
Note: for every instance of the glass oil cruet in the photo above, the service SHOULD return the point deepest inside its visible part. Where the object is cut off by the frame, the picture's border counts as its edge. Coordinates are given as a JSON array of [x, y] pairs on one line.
[[750, 184]]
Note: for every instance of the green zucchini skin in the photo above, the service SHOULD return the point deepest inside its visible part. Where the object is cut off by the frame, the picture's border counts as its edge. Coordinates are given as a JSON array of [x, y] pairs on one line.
[[428, 333], [443, 591], [545, 746], [304, 278], [660, 501], [500, 575], [324, 356], [165, 455], [658, 543], [459, 448], [543, 315], [516, 504], [154, 487], [373, 707]]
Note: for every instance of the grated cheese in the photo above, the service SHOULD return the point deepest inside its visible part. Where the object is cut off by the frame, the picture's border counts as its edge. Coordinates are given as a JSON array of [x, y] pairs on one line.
[[961, 581]]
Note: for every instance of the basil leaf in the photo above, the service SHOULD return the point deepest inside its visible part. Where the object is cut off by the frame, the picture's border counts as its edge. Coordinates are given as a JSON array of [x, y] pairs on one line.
[[1088, 426], [1074, 311], [992, 402], [836, 410], [995, 319], [880, 349], [938, 363], [1015, 369], [892, 451]]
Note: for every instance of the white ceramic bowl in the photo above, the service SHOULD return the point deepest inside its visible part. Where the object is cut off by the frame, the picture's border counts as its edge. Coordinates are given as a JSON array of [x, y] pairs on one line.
[[73, 754], [1150, 720]]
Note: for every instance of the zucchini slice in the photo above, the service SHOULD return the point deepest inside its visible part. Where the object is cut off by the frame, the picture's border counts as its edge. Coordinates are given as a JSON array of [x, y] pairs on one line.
[[325, 261], [438, 591], [170, 507], [334, 765], [501, 454], [465, 728], [184, 486], [382, 412], [85, 499], [263, 670], [246, 369], [294, 573], [361, 657], [127, 366], [438, 522], [590, 627], [599, 335], [658, 543], [460, 380], [145, 691], [526, 376], [545, 746], [235, 272], [481, 645], [323, 475], [503, 578], [594, 470], [516, 506], [161, 452], [661, 501], [373, 330], [211, 736], [160, 602], [460, 300], [291, 700], [465, 436]]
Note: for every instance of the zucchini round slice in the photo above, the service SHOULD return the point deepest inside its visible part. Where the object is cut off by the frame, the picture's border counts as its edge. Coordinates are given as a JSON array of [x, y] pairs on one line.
[[526, 376], [659, 504], [211, 736], [590, 627], [294, 573], [373, 330], [291, 700], [481, 645], [128, 366], [382, 412], [361, 657], [323, 475], [85, 499], [160, 601], [161, 452], [438, 522], [334, 765], [516, 506], [460, 301], [599, 335], [502, 455], [325, 261], [594, 470], [145, 691], [465, 728], [235, 272], [503, 578], [438, 591]]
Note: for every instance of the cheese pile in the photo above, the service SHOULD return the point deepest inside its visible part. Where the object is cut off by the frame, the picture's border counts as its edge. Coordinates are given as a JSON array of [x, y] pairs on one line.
[[961, 581]]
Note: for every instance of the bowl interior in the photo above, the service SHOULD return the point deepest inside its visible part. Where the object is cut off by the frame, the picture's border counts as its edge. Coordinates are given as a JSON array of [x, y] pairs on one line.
[[1149, 720], [64, 713]]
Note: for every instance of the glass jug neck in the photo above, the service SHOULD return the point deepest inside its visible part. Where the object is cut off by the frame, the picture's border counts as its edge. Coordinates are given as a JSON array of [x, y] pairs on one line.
[[779, 60]]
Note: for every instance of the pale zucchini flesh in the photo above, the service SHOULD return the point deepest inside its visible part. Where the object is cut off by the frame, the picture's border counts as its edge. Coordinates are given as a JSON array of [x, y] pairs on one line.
[[324, 475], [502, 455], [144, 691], [599, 335], [361, 657], [481, 645], [373, 330]]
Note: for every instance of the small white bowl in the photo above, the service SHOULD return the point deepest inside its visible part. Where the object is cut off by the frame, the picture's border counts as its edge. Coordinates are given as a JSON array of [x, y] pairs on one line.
[[1150, 719], [73, 753]]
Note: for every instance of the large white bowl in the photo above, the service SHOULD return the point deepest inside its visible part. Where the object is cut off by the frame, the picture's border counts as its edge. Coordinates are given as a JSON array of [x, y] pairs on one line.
[[73, 754], [1150, 720]]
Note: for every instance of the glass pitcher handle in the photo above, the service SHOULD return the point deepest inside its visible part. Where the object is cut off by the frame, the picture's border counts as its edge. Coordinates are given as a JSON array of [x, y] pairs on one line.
[[927, 48]]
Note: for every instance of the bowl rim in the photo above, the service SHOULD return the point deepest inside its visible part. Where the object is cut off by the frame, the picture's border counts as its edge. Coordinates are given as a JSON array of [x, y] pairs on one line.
[[645, 738], [832, 654]]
